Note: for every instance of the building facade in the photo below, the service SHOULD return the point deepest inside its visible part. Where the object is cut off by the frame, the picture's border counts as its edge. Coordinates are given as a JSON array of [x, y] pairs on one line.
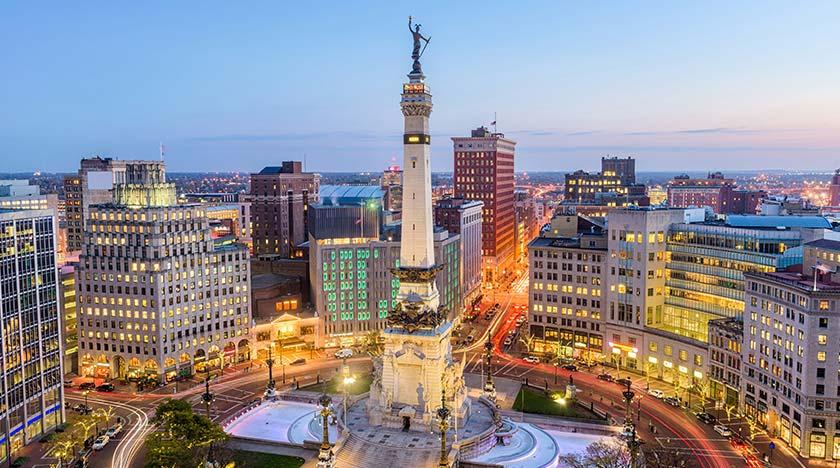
[[463, 217], [726, 337], [155, 296], [834, 189], [566, 295], [615, 185], [791, 379], [484, 171], [353, 288], [280, 197], [93, 183], [715, 191], [31, 392]]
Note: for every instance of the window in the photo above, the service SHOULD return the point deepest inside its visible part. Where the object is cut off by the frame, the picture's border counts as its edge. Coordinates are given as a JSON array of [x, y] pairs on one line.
[[823, 305], [823, 322], [821, 356], [822, 339]]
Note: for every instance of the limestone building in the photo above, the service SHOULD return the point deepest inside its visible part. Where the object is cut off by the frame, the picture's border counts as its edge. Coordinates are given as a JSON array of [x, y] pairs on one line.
[[155, 296]]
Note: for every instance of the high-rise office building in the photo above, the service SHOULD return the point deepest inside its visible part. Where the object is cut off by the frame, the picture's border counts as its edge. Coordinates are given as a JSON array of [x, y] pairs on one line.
[[31, 393], [566, 293], [463, 217], [615, 185], [92, 184], [280, 197], [790, 359], [155, 296], [484, 171], [351, 257]]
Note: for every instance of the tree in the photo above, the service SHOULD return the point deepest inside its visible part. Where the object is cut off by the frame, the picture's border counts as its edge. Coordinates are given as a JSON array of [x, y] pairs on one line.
[[528, 341], [667, 458], [183, 439], [602, 454]]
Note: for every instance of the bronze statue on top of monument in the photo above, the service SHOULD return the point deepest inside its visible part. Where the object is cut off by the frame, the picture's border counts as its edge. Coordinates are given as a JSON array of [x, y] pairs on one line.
[[416, 52]]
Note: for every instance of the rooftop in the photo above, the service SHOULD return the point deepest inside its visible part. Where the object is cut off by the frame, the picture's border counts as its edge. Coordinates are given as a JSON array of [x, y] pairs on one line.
[[349, 194], [800, 281], [774, 222], [824, 244]]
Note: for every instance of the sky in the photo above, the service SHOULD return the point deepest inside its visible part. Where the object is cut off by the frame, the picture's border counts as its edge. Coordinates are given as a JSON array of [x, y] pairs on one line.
[[235, 86]]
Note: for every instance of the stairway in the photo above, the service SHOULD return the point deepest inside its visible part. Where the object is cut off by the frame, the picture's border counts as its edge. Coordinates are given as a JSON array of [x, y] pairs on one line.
[[357, 453]]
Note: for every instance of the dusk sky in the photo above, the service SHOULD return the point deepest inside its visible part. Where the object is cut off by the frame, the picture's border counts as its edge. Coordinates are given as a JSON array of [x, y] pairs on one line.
[[238, 86]]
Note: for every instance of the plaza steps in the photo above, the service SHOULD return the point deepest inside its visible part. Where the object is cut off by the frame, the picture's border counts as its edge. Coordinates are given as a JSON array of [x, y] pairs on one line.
[[358, 453]]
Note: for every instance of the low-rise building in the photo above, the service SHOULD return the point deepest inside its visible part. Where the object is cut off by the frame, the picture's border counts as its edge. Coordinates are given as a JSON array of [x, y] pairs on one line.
[[726, 336]]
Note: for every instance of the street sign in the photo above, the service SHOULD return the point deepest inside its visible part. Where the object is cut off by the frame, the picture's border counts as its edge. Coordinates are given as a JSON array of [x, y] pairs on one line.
[[772, 445]]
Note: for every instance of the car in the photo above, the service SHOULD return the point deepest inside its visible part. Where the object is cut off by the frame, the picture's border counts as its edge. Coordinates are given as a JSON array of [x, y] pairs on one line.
[[570, 367], [624, 382], [343, 353], [114, 430], [706, 417], [106, 387], [531, 359], [723, 430], [605, 377], [100, 442], [656, 393], [673, 401], [298, 362], [470, 338], [508, 341], [82, 408], [87, 386], [512, 331], [85, 454], [68, 383]]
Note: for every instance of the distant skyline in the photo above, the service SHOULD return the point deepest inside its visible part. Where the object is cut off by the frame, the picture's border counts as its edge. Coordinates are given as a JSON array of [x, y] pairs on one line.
[[233, 87]]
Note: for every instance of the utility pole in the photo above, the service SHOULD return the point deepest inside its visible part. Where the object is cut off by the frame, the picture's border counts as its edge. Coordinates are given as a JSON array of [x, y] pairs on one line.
[[443, 424], [633, 442]]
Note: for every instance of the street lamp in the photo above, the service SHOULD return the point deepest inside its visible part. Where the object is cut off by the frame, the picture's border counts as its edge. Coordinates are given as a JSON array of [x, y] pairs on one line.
[[269, 388], [489, 386], [282, 364], [207, 397], [443, 424], [326, 458], [348, 380]]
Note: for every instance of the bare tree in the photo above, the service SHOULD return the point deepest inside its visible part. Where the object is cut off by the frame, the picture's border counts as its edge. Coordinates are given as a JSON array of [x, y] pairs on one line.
[[611, 453], [667, 458]]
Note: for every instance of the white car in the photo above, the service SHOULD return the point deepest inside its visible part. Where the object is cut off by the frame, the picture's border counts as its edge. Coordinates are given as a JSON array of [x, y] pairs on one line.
[[101, 442], [531, 359], [722, 430], [114, 430], [656, 393], [508, 341], [344, 353]]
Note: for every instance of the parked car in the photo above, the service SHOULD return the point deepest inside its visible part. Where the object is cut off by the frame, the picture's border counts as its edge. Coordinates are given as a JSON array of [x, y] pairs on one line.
[[570, 367], [298, 362], [624, 381], [114, 430], [470, 338], [723, 430], [84, 455], [87, 386], [343, 353], [673, 401], [106, 387], [706, 417], [68, 383], [508, 341], [605, 377], [656, 393], [100, 442], [531, 359]]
